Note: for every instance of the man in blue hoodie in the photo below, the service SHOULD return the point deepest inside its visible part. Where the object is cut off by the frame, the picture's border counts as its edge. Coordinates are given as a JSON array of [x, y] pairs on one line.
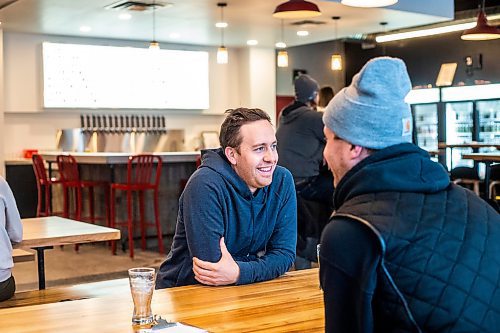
[[406, 250], [237, 219]]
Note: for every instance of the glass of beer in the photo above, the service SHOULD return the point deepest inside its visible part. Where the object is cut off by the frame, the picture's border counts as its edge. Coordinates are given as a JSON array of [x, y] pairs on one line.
[[142, 282]]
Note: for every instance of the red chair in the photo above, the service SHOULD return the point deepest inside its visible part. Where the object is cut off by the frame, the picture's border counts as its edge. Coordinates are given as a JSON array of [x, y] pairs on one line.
[[71, 182], [44, 187], [142, 175]]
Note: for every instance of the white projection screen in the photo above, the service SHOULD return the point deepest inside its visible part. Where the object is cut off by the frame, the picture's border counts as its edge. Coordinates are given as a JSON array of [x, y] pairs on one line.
[[92, 76]]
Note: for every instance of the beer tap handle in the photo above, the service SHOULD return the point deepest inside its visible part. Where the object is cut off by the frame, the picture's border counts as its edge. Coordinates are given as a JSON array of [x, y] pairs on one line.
[[148, 119], [127, 124], [163, 125], [105, 124], [132, 123], [99, 127], [94, 123], [111, 128], [82, 123], [143, 123], [87, 129], [137, 124]]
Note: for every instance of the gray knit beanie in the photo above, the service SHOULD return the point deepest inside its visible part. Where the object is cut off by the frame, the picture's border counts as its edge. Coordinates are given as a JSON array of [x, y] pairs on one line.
[[306, 88], [371, 112]]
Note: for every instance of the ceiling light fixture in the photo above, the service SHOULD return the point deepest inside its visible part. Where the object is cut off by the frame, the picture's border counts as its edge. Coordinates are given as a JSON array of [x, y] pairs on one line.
[[85, 28], [296, 9], [154, 45], [482, 30], [125, 16], [252, 42], [222, 54], [423, 32], [302, 33], [336, 59], [282, 59], [368, 3]]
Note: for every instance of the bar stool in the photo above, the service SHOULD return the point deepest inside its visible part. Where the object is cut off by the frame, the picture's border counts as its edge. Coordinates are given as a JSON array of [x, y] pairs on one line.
[[466, 177], [142, 175], [71, 182], [44, 187]]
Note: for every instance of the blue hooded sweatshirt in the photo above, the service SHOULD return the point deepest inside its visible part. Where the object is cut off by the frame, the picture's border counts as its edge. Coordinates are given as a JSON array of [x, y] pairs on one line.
[[259, 229]]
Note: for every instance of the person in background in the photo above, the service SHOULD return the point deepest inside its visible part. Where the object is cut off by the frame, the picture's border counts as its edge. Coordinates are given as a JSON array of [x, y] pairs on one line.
[[301, 142], [324, 97], [237, 215], [300, 146], [406, 250], [11, 232]]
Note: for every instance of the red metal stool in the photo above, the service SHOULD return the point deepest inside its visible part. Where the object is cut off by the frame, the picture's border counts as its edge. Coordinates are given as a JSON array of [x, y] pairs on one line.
[[142, 175], [44, 186], [71, 182]]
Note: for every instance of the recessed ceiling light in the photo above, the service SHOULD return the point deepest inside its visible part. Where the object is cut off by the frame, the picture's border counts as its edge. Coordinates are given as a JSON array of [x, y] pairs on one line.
[[252, 42], [85, 28], [221, 24], [302, 33], [280, 45], [174, 35], [125, 16]]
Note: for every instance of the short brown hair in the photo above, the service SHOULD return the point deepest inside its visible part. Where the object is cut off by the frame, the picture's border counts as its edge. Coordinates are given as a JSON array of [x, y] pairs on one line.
[[230, 129]]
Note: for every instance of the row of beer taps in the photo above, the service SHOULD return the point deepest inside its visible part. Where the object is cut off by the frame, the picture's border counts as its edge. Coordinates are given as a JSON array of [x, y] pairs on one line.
[[153, 124]]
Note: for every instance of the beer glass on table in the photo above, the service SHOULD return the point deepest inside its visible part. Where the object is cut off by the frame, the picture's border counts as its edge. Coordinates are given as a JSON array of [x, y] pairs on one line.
[[142, 282]]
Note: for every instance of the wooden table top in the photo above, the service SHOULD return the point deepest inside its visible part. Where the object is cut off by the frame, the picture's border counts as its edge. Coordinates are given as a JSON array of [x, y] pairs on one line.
[[483, 157], [120, 158], [54, 230], [292, 302], [472, 144]]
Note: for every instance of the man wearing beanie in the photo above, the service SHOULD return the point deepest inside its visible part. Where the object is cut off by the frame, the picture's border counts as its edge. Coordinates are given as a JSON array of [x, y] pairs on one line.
[[406, 250], [300, 147]]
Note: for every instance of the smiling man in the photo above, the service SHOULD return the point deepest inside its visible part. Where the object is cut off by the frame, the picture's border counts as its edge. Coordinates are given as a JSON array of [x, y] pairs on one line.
[[237, 219]]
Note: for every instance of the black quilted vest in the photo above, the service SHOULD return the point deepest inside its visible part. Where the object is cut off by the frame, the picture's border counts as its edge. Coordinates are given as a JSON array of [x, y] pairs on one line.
[[441, 260]]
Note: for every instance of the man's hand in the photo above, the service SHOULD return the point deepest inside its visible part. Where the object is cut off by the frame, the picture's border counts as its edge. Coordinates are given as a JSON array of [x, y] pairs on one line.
[[225, 271]]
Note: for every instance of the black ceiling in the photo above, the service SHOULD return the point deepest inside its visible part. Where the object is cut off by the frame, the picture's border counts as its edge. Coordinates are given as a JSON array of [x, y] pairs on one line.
[[461, 5]]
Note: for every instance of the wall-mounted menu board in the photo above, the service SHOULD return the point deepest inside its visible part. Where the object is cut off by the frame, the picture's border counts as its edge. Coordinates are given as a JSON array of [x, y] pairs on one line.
[[91, 76]]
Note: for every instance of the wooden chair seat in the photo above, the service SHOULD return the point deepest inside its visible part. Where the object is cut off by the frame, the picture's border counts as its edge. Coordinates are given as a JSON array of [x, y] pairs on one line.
[[20, 255]]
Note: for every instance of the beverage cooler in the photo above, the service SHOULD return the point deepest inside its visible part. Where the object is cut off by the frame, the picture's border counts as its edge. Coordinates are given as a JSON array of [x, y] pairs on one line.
[[456, 115], [424, 107]]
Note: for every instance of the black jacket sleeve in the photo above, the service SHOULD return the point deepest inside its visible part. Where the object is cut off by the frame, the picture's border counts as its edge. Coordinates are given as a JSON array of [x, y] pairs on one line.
[[349, 256]]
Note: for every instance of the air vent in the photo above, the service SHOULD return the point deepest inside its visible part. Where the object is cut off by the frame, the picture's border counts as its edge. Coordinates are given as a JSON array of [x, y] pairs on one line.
[[138, 6], [307, 23]]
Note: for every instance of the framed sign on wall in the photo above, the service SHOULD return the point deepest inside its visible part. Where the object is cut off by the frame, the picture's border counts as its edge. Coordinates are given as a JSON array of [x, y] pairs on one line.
[[94, 76]]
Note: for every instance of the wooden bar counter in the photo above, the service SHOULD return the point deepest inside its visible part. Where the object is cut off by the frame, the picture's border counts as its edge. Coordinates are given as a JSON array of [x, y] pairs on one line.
[[291, 303]]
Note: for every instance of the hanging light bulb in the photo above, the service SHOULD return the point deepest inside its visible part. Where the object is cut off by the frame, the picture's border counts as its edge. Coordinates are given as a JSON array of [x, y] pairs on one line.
[[282, 59], [154, 45], [222, 54], [368, 3], [336, 59], [336, 62], [482, 30]]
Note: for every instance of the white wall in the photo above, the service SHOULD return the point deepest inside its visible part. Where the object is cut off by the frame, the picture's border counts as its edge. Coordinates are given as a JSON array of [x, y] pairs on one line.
[[29, 125]]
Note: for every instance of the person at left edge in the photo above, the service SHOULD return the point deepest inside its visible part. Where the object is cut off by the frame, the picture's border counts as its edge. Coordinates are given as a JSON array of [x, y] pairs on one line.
[[237, 219]]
